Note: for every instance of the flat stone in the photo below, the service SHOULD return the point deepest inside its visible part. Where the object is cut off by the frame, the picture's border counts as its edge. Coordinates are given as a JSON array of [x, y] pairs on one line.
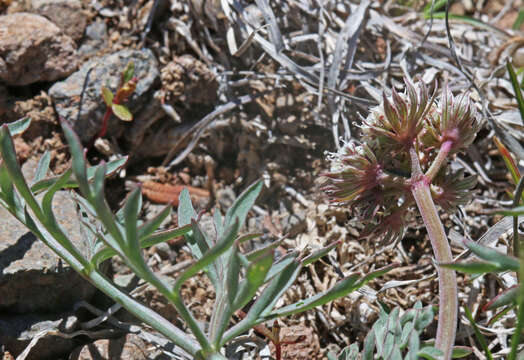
[[32, 277], [66, 14], [306, 346], [107, 71], [17, 331], [129, 347], [33, 49]]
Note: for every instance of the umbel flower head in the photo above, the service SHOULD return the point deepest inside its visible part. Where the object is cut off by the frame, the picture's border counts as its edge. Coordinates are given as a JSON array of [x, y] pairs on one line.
[[399, 120], [374, 176], [456, 122], [357, 172], [451, 189], [358, 178]]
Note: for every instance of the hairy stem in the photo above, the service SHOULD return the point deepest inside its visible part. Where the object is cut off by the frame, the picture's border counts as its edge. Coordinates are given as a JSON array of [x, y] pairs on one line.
[[440, 160], [448, 303]]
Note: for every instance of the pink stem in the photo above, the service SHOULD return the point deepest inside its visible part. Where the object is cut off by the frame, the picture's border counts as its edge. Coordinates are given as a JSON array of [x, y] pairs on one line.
[[448, 301], [440, 160]]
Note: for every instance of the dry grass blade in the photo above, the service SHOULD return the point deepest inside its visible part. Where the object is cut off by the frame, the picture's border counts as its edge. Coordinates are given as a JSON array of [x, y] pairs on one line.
[[284, 60], [196, 132], [409, 35], [274, 31], [351, 32]]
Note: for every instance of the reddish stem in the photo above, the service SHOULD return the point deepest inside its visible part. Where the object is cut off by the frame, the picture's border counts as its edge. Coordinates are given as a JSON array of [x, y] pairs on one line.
[[107, 116], [440, 160], [448, 300], [105, 121]]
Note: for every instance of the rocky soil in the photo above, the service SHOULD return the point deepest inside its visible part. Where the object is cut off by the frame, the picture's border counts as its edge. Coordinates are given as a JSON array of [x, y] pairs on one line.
[[217, 106]]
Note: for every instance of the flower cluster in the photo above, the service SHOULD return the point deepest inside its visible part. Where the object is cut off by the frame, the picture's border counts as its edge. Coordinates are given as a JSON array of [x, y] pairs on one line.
[[456, 122], [374, 176]]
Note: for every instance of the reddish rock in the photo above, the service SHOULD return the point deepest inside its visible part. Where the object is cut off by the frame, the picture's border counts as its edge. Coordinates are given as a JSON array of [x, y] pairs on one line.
[[66, 14], [33, 49]]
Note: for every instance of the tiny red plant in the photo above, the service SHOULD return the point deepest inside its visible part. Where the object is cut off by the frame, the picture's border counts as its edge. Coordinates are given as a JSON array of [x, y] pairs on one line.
[[114, 102]]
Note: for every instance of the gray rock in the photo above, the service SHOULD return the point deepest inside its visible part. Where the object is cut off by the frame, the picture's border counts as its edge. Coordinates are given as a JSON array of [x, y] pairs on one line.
[[66, 14], [34, 49], [32, 277], [16, 332], [129, 347], [95, 38], [106, 71], [126, 281], [97, 31], [164, 251]]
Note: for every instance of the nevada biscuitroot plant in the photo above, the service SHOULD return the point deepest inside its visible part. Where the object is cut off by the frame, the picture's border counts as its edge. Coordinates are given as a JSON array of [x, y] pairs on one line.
[[402, 163], [249, 281]]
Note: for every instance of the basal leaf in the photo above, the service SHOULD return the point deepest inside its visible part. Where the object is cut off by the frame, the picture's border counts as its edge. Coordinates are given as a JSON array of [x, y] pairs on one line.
[[78, 163], [461, 351], [129, 72], [508, 296], [478, 334], [107, 95], [19, 126], [516, 89], [430, 353], [243, 203], [473, 268], [42, 167], [122, 112], [319, 253], [208, 258], [186, 212], [511, 165], [131, 212], [505, 262]]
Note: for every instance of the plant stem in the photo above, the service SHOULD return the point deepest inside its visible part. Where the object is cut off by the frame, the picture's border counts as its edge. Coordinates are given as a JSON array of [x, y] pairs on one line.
[[448, 303], [105, 121], [518, 245], [441, 158], [515, 339]]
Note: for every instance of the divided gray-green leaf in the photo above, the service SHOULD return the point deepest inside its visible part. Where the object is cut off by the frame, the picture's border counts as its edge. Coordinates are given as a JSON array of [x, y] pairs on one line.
[[19, 126], [112, 167], [42, 167], [398, 337], [243, 204], [504, 262], [253, 282]]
